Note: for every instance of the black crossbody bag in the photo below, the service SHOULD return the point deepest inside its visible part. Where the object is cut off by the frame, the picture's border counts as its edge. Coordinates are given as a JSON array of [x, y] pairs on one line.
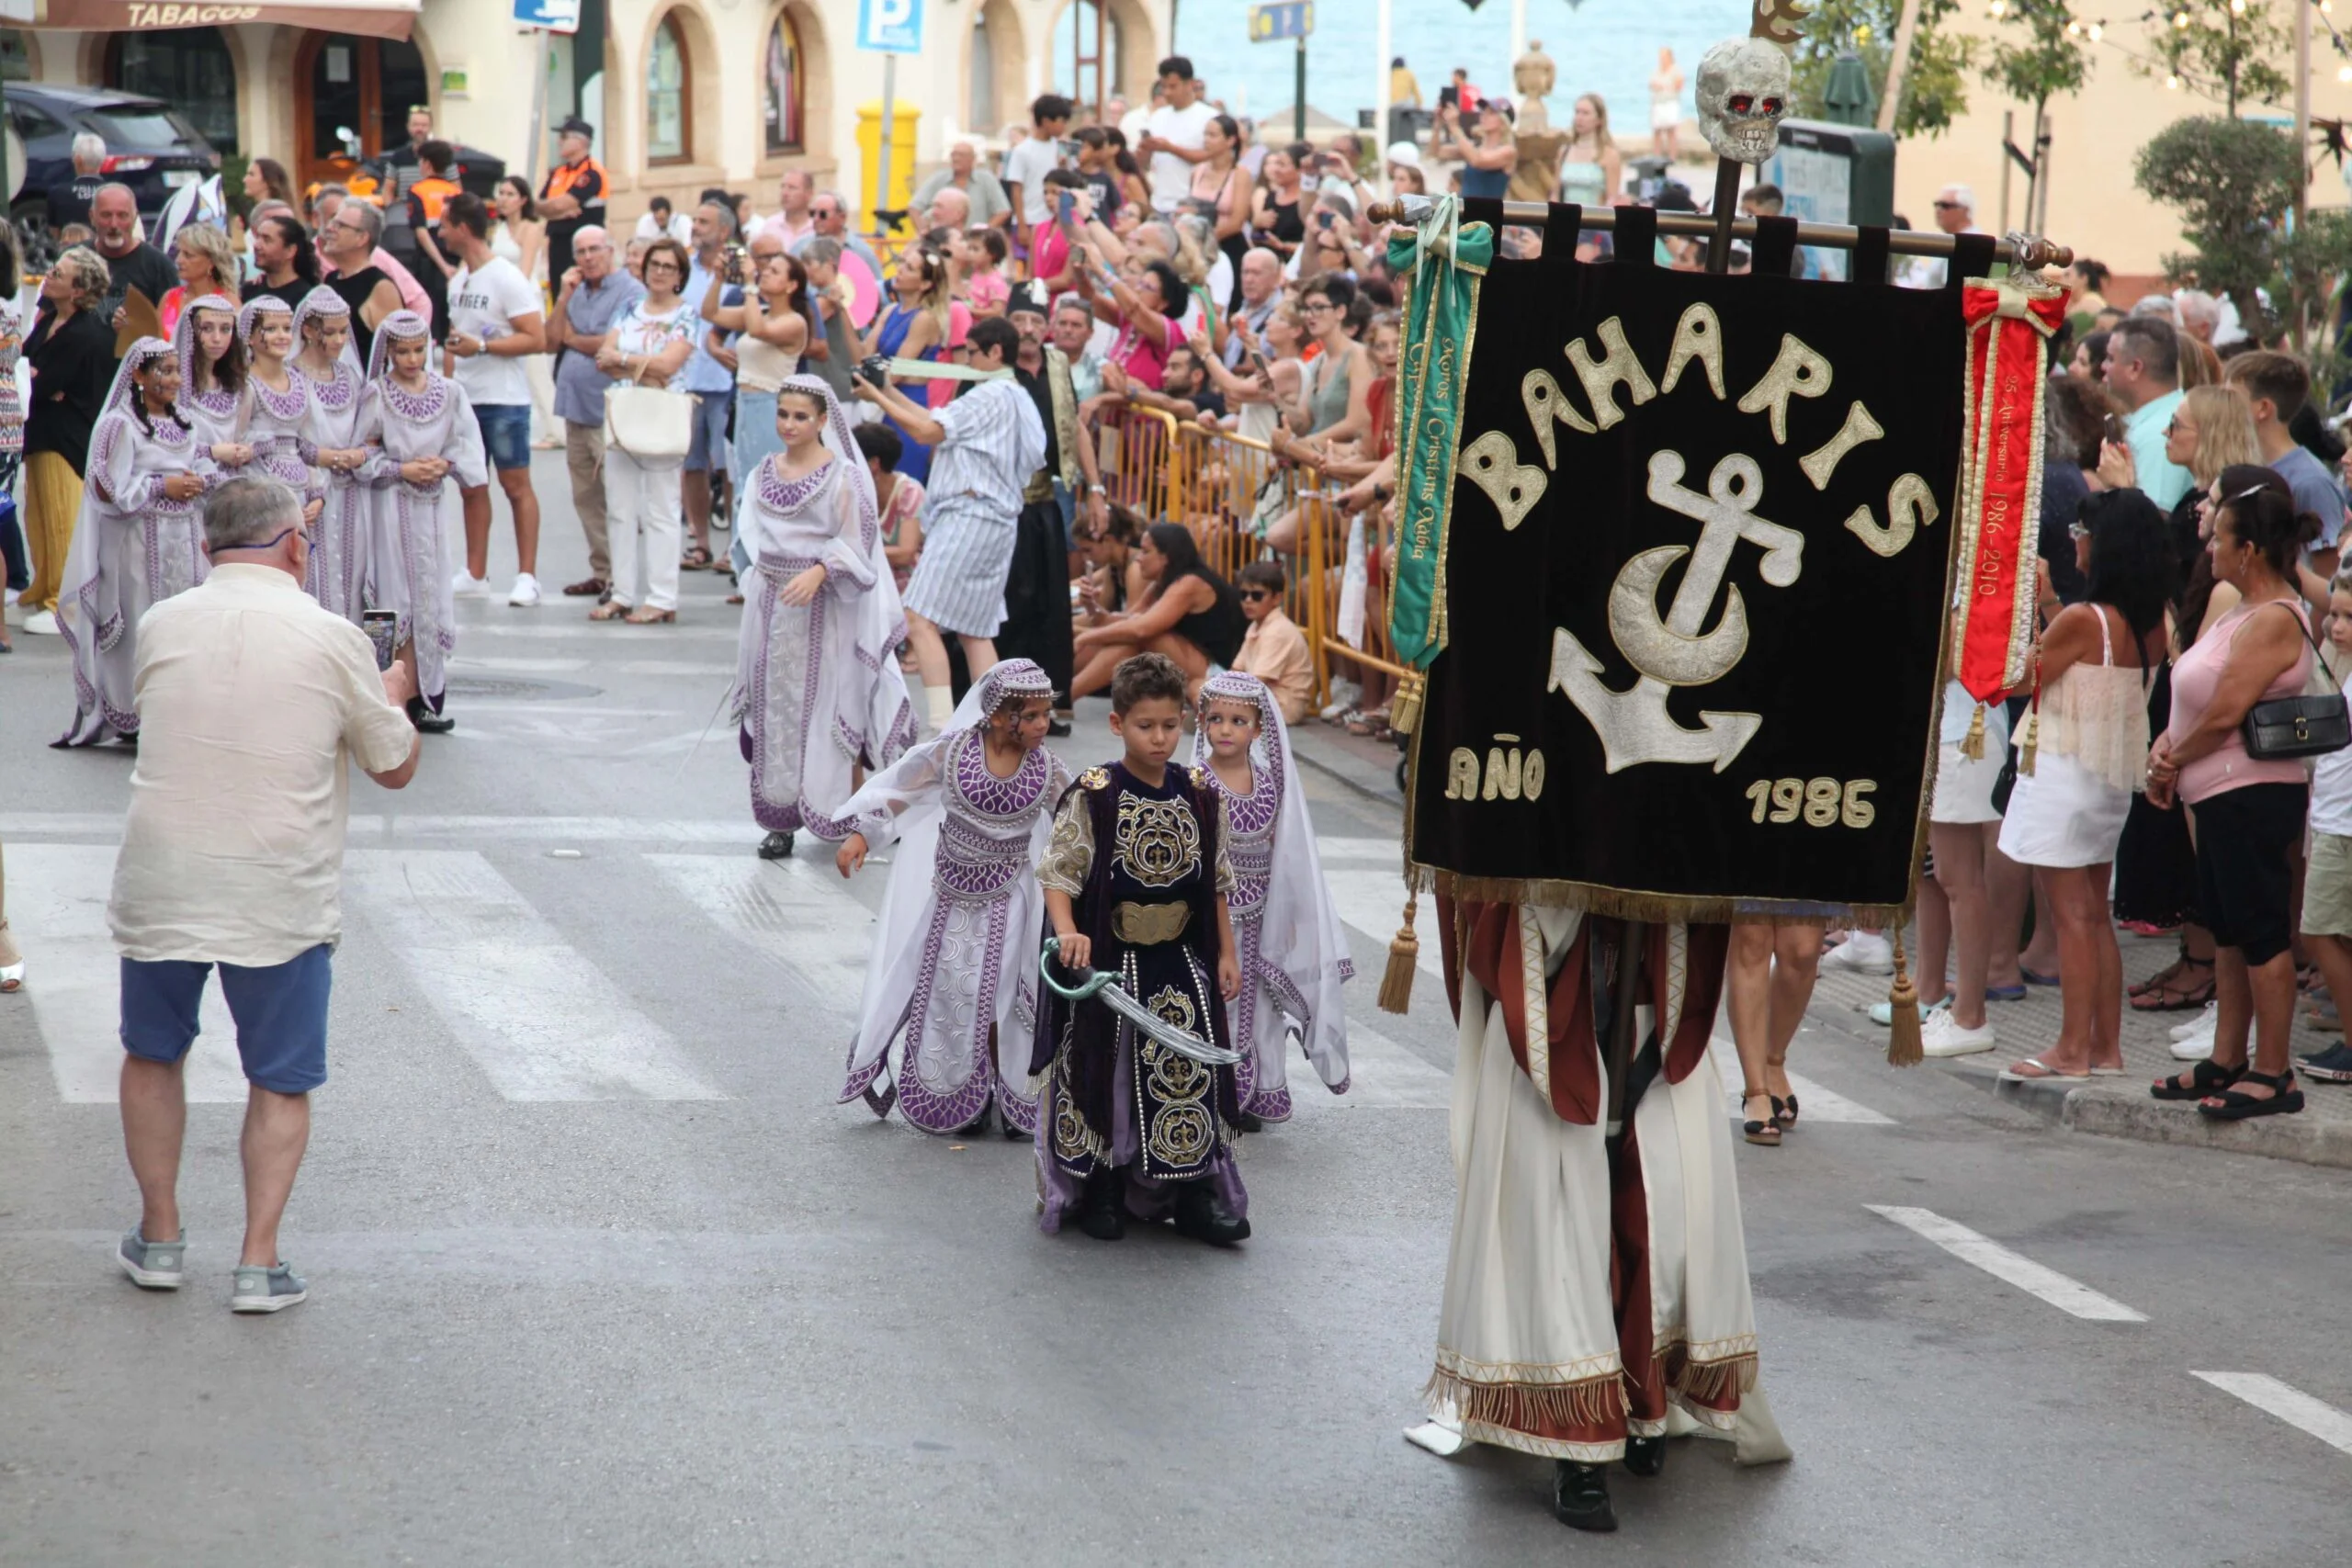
[[2283, 728]]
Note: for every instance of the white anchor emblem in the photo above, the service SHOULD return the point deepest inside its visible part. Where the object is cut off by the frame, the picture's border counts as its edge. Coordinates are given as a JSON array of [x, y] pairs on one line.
[[1633, 725]]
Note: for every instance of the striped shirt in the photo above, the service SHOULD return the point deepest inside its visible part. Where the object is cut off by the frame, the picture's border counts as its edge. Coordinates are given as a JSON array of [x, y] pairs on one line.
[[994, 441]]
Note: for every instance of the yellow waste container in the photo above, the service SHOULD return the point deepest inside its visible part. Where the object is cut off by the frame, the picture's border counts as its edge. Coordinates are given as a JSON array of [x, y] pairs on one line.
[[903, 116]]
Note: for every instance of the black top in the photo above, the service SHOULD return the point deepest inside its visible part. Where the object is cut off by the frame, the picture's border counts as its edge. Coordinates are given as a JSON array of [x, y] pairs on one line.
[[2063, 493], [1040, 388], [70, 203], [146, 268], [73, 368], [1217, 630], [354, 289], [1289, 227], [294, 290]]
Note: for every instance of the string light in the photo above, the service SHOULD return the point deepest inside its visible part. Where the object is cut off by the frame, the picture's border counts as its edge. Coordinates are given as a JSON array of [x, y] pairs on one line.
[[2344, 73], [2172, 81], [2237, 7], [2180, 21], [2096, 31]]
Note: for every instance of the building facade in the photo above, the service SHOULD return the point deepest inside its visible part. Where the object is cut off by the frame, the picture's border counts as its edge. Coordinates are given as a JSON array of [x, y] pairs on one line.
[[685, 94]]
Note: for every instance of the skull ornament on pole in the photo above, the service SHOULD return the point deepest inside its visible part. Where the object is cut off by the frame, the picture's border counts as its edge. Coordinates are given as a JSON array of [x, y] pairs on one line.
[[1743, 94]]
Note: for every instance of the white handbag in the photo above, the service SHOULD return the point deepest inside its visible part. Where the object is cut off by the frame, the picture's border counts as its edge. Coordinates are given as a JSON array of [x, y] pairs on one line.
[[649, 424]]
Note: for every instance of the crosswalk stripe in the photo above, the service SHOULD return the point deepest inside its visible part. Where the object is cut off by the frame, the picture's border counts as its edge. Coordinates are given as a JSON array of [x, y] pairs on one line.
[[2289, 1403], [543, 1023], [799, 912], [583, 631], [1380, 1072], [469, 664], [2034, 1279], [1815, 1102], [1373, 901], [57, 895]]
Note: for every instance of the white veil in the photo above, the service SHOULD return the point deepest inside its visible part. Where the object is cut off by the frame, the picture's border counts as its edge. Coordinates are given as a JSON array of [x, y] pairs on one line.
[[255, 307], [400, 324], [137, 357], [1299, 932], [184, 335], [325, 301]]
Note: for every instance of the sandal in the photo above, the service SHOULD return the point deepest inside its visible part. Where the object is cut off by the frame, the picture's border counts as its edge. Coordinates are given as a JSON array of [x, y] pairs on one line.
[[646, 615], [2156, 981], [1784, 1111], [697, 558], [2033, 1069], [1765, 1132], [2168, 996], [610, 610], [2232, 1105], [2201, 1081]]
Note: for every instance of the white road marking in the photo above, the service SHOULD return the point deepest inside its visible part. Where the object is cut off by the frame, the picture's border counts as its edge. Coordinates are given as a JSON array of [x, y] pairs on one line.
[[799, 912], [543, 1022], [1380, 1072], [1815, 1102], [473, 665], [2291, 1404], [106, 825], [57, 898], [1388, 850], [1373, 900], [586, 630], [2065, 1294]]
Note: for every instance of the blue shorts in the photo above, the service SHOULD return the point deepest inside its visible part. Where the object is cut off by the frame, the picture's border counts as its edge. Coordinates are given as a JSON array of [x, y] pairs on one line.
[[281, 1014], [505, 434], [706, 452]]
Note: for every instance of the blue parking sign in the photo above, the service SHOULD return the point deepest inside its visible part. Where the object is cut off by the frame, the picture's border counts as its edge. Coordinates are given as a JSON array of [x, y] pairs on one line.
[[891, 27]]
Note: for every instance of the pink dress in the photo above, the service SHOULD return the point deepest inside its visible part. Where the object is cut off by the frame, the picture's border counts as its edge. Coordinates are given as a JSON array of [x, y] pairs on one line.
[[906, 501], [2194, 679]]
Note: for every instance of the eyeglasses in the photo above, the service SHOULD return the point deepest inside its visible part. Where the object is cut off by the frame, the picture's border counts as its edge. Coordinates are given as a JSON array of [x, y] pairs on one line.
[[1952, 207], [662, 264], [1253, 594]]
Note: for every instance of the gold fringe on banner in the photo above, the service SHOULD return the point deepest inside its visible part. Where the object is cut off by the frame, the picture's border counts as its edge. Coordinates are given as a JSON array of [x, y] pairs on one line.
[[1625, 904], [1903, 1045], [1972, 746], [1404, 956]]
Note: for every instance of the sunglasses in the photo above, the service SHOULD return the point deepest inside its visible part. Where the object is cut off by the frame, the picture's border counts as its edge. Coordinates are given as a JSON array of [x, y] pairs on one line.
[[1952, 206], [1254, 594]]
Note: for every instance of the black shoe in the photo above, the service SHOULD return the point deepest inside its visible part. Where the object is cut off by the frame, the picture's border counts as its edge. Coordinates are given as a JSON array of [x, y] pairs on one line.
[[777, 846], [1581, 1498], [2331, 1065], [1012, 1134], [1104, 1213], [1249, 1122], [1203, 1216], [1646, 1456], [1058, 728], [428, 722]]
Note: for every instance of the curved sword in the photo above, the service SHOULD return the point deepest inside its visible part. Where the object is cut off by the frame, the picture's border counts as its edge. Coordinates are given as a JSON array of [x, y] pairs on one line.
[[1103, 988]]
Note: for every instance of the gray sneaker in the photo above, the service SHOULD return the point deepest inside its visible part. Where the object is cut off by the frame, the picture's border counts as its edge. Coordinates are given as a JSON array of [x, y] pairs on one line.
[[267, 1290], [153, 1265]]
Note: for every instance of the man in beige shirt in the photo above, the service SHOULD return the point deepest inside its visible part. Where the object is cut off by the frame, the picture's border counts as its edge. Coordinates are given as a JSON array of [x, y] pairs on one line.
[[252, 701], [1273, 649]]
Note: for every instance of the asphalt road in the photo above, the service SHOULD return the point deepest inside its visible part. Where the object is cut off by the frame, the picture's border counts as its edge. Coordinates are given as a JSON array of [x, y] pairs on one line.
[[601, 1274]]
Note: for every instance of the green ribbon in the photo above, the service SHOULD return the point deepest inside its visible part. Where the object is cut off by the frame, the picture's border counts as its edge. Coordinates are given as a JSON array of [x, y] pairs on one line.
[[1443, 261]]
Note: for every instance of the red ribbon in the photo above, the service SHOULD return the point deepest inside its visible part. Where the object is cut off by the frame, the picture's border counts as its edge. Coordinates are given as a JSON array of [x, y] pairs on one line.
[[2001, 481]]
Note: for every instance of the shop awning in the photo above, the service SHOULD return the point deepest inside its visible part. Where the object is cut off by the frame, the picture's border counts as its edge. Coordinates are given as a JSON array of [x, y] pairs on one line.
[[374, 18]]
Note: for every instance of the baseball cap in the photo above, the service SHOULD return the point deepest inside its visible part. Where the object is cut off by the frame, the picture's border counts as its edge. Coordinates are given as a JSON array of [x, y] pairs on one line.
[[1404, 153], [575, 126]]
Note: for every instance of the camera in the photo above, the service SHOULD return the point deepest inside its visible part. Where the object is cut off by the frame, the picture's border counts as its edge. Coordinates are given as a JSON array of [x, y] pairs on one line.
[[875, 371]]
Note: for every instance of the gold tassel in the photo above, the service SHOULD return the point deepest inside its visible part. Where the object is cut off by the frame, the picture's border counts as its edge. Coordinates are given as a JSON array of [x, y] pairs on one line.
[[1404, 955], [2032, 744], [1972, 748], [1405, 708], [1903, 1045]]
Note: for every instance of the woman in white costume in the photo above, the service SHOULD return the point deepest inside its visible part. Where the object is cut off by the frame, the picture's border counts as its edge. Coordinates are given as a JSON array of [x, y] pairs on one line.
[[431, 447], [1293, 949], [955, 957], [342, 431], [212, 380], [818, 692]]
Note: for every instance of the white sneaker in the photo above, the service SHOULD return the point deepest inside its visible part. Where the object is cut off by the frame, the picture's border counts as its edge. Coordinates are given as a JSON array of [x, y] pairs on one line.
[[1941, 1035], [1861, 953], [2201, 1025], [2197, 1044], [526, 593], [466, 586], [41, 623]]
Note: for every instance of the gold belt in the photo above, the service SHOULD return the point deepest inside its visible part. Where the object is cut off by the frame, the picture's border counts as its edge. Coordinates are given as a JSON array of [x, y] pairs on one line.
[[1041, 489], [1148, 925]]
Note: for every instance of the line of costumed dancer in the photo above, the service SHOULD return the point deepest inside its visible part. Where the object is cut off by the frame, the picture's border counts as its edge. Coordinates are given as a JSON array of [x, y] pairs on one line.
[[1196, 888], [376, 456]]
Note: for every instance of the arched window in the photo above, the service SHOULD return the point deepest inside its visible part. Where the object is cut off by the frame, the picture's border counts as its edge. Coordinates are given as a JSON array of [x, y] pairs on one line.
[[783, 102], [668, 111], [15, 55], [188, 68]]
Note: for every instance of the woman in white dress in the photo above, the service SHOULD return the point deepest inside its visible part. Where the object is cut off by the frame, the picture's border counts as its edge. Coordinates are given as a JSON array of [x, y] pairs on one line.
[[274, 411], [1294, 952], [341, 432], [771, 335], [137, 540], [212, 380], [1666, 104], [431, 445], [817, 692], [955, 965]]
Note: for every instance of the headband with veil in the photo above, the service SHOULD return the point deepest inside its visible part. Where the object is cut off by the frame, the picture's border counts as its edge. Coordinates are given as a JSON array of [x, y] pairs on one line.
[[140, 354], [1299, 933], [324, 301], [400, 326], [260, 304], [1012, 678], [184, 334]]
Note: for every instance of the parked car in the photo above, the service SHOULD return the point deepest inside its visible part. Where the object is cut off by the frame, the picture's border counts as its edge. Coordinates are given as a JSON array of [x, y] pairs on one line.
[[150, 147]]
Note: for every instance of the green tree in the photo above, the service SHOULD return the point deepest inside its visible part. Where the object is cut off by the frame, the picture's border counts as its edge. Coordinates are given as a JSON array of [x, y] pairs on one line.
[[1935, 83], [2227, 50], [2312, 263], [2233, 182], [2042, 58]]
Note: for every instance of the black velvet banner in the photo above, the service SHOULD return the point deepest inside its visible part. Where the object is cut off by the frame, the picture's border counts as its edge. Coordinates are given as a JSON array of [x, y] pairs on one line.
[[1694, 583]]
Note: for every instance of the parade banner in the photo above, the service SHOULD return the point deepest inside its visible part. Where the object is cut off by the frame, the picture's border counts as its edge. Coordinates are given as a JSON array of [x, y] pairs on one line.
[[1696, 582], [1439, 265]]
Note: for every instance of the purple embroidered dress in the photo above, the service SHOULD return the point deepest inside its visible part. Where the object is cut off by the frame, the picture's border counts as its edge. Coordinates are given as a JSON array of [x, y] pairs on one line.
[[343, 415], [133, 546], [411, 571], [211, 414], [816, 690], [955, 953], [276, 426]]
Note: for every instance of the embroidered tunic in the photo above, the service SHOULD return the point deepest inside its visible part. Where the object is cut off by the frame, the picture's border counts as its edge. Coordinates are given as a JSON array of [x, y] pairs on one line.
[[1143, 865], [133, 546], [276, 426], [814, 692], [410, 569], [343, 415], [956, 956]]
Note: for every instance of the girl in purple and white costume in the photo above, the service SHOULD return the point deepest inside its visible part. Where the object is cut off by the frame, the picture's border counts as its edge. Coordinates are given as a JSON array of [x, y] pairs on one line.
[[1293, 949], [274, 411], [139, 539], [212, 382], [431, 445], [342, 434], [818, 692], [956, 955]]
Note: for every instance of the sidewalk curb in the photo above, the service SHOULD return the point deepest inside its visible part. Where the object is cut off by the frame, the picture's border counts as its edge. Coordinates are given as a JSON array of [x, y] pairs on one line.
[[2122, 1108], [1365, 778]]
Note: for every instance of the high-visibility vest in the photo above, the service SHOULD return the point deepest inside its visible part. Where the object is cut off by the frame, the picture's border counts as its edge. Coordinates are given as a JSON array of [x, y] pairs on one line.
[[562, 177], [431, 193]]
